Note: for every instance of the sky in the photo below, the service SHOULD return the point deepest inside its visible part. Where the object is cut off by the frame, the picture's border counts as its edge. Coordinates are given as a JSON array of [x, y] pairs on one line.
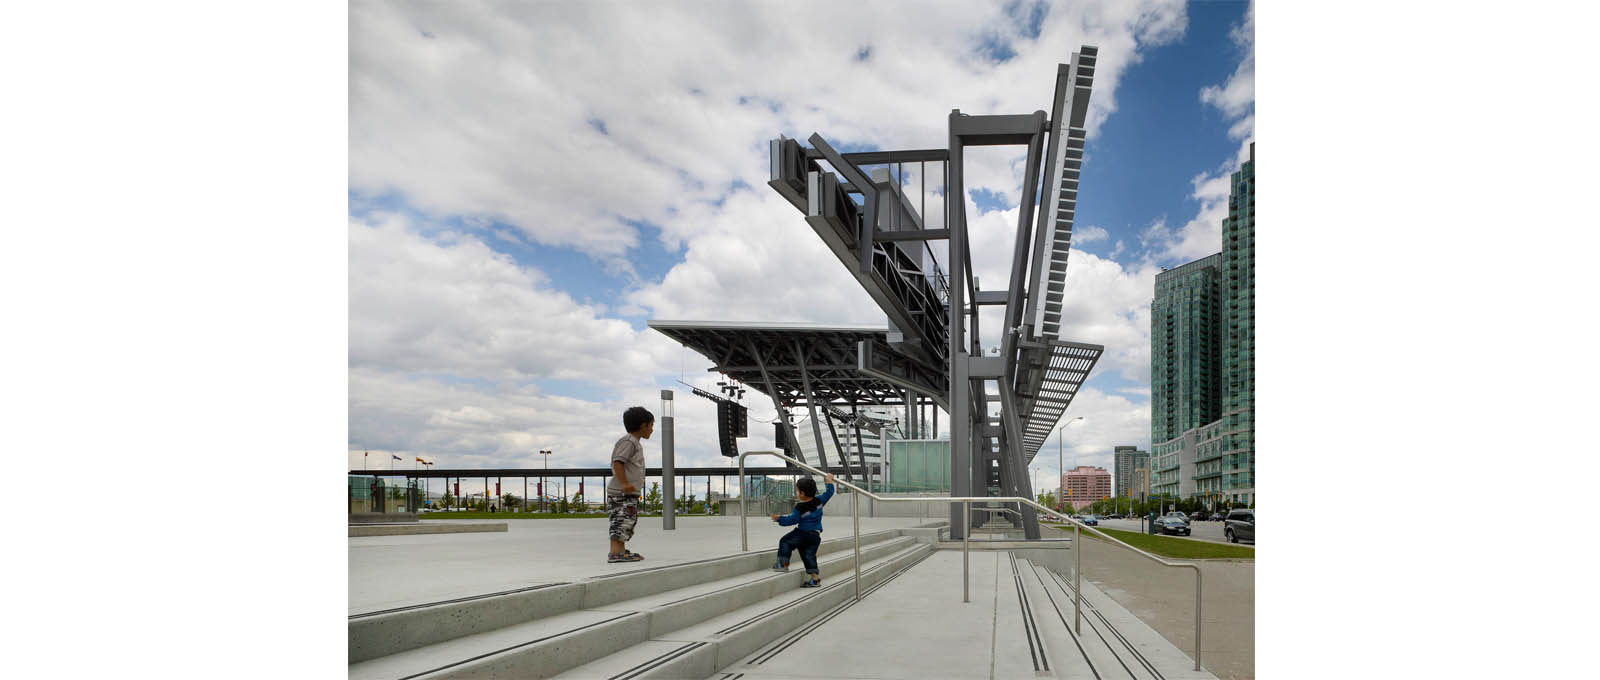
[[530, 183]]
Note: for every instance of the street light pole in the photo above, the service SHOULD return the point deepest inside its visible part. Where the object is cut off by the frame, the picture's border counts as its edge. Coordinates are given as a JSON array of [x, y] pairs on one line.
[[543, 494], [1061, 472]]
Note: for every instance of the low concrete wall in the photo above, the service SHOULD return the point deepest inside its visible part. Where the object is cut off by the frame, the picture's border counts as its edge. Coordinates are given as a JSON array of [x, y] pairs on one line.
[[426, 528], [382, 517], [840, 506]]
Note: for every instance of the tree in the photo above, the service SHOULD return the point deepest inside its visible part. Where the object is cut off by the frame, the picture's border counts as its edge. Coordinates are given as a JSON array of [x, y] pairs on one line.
[[447, 500], [509, 501], [652, 498], [576, 503], [1047, 499]]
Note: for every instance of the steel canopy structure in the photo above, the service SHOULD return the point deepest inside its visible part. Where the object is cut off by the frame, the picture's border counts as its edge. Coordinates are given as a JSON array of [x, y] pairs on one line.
[[929, 350]]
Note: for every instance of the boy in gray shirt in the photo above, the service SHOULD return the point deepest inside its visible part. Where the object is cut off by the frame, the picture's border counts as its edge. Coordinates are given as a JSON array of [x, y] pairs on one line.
[[627, 476]]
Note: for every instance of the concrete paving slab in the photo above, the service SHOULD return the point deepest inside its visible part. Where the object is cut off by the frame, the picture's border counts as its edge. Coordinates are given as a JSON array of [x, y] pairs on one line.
[[420, 528], [396, 571], [915, 627]]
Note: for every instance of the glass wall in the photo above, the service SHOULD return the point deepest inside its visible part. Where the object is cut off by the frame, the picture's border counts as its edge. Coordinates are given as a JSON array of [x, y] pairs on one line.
[[919, 466]]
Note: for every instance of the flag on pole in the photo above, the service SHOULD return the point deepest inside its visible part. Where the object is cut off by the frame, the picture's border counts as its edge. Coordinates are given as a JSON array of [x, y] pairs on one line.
[[419, 460], [395, 457]]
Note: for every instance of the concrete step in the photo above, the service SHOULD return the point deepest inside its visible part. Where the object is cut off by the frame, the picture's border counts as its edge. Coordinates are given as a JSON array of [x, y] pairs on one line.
[[551, 640], [701, 650], [374, 635]]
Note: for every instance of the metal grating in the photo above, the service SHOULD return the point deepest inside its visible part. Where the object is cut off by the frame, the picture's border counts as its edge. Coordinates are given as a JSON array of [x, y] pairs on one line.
[[1069, 366], [1073, 104]]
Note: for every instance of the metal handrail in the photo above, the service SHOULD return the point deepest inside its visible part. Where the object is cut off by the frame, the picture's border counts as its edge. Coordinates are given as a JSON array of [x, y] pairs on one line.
[[966, 530]]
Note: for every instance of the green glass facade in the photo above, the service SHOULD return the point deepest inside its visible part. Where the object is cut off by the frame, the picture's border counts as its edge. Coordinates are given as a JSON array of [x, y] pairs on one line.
[[1185, 348], [1238, 358]]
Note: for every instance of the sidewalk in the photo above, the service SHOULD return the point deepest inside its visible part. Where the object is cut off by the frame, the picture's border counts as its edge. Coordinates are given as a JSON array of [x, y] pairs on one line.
[[1163, 598]]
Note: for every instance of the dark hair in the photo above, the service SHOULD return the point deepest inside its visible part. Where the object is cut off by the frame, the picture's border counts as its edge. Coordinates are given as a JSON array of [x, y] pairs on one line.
[[807, 485], [636, 417]]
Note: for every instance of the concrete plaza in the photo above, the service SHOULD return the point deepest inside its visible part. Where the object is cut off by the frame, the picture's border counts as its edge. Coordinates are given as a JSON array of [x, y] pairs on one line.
[[539, 600]]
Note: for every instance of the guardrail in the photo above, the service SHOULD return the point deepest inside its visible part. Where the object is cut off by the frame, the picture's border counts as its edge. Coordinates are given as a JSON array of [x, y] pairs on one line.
[[966, 531]]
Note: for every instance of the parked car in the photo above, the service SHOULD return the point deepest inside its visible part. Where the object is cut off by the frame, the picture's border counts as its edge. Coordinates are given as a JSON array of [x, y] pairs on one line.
[[1197, 517], [1114, 516], [1089, 520], [1241, 524], [1172, 525], [1215, 517]]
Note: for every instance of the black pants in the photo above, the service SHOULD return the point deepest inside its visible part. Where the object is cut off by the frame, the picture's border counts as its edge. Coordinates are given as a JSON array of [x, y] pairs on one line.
[[806, 542]]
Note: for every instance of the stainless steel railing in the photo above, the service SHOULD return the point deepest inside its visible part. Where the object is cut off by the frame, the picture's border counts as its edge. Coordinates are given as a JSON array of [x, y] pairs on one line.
[[966, 531]]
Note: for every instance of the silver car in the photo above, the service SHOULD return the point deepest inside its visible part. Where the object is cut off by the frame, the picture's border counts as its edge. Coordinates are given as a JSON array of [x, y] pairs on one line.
[[1241, 525]]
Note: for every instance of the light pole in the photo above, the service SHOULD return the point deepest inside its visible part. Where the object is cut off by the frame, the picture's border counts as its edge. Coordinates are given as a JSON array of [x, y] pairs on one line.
[[1061, 467], [546, 453]]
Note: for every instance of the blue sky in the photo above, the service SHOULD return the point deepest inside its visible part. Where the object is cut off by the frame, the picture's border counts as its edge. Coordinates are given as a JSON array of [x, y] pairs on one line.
[[521, 205]]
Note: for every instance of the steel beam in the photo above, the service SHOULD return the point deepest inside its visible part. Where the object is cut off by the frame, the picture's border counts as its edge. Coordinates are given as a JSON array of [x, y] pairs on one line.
[[811, 403], [776, 403]]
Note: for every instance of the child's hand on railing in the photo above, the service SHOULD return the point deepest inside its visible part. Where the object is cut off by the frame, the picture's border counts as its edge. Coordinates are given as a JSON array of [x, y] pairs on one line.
[[829, 478]]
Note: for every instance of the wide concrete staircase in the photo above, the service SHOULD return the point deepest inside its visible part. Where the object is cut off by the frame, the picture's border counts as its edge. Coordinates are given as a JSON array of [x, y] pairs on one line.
[[673, 621]]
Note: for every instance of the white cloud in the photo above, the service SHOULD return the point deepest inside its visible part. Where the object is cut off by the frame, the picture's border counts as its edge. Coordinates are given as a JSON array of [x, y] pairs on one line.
[[497, 114], [451, 305], [1089, 234], [1236, 98]]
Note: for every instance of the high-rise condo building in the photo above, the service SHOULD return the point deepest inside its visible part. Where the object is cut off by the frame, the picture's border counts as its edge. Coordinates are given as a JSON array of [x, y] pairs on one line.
[[1238, 356], [1185, 348], [1126, 459], [1202, 364], [1085, 485]]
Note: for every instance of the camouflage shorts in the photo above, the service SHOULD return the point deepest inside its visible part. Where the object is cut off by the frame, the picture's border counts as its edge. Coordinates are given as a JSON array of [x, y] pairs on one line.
[[624, 512]]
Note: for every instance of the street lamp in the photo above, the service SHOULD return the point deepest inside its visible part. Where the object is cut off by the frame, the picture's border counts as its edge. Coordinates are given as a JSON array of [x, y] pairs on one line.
[[543, 506], [1061, 468]]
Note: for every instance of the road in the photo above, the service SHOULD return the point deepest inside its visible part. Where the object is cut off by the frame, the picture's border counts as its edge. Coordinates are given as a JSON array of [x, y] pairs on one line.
[[1200, 531]]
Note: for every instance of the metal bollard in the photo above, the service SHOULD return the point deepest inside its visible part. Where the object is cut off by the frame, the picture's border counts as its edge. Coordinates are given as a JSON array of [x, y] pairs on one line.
[[966, 530]]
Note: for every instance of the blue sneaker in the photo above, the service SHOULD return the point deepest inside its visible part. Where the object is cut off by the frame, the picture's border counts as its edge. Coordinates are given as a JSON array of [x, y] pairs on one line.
[[780, 567], [811, 583]]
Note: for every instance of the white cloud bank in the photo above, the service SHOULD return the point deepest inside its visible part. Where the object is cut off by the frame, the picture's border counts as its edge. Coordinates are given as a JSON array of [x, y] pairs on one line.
[[571, 122]]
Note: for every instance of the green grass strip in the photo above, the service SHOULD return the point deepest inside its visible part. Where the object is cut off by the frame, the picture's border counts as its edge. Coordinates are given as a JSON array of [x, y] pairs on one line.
[[509, 515], [1168, 546]]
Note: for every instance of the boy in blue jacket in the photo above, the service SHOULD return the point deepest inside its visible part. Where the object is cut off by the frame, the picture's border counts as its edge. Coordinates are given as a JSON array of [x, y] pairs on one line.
[[808, 535]]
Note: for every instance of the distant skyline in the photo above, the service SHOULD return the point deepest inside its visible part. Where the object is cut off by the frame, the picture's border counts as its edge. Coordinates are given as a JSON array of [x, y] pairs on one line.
[[530, 183]]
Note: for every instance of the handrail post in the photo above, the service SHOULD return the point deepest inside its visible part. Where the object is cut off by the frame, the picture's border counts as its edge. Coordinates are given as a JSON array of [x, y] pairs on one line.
[[966, 531], [1077, 579], [855, 509], [744, 535], [1196, 617]]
